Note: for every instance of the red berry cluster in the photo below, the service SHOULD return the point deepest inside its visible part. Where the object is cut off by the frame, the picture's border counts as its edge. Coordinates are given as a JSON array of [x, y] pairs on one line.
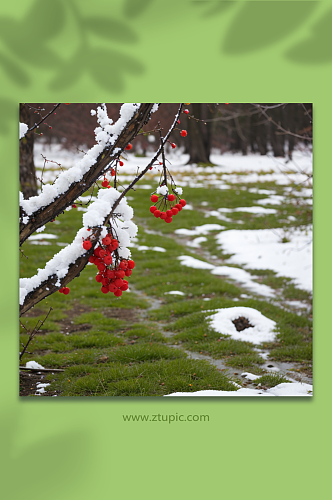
[[111, 277], [65, 290], [161, 203]]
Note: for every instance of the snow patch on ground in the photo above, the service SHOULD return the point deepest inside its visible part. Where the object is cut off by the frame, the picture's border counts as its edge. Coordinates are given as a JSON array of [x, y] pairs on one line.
[[262, 249], [285, 389], [33, 364], [261, 331]]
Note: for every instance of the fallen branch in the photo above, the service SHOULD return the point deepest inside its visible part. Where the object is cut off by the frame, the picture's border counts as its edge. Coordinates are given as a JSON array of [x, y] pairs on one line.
[[42, 369]]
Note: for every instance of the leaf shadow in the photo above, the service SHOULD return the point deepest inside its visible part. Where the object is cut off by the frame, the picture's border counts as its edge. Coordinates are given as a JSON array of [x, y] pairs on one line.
[[134, 8], [316, 49], [261, 24], [40, 460], [215, 8]]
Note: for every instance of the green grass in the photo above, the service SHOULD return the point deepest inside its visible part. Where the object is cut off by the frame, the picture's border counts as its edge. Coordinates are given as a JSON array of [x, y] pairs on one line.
[[134, 355], [271, 380]]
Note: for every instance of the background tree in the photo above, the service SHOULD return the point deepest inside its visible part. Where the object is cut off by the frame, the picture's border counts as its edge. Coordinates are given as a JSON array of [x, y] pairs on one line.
[[28, 179]]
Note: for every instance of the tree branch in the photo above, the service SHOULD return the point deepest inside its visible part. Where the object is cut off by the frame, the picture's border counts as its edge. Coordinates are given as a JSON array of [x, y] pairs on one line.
[[49, 286], [48, 213]]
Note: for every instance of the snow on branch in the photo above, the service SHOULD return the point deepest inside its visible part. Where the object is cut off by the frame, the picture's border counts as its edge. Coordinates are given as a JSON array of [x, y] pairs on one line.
[[71, 260], [111, 140]]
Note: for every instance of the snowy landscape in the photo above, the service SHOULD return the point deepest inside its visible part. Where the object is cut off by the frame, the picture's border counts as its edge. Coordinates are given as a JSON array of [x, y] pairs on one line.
[[259, 252]]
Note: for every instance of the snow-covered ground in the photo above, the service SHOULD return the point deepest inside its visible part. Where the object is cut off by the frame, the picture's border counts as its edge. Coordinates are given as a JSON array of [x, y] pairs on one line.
[[285, 389], [251, 249]]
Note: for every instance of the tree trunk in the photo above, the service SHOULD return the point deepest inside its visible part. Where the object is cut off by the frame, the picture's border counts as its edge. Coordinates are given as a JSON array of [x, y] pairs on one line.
[[28, 179], [197, 137], [277, 138]]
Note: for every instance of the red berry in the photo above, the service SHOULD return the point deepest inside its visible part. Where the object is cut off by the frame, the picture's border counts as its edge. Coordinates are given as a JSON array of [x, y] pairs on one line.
[[102, 253], [104, 289], [183, 133], [154, 198], [120, 273], [163, 215], [87, 245], [99, 278], [124, 287], [131, 265], [153, 209], [101, 267], [105, 281], [123, 264], [118, 293], [160, 163], [66, 290], [108, 260], [186, 111], [106, 241], [110, 274], [112, 288], [92, 259], [105, 183], [157, 213], [128, 272], [171, 197], [118, 282], [61, 290], [169, 213], [174, 211], [168, 219], [121, 163], [179, 122], [113, 172], [173, 145], [129, 147], [183, 203], [150, 168], [74, 206], [115, 244]]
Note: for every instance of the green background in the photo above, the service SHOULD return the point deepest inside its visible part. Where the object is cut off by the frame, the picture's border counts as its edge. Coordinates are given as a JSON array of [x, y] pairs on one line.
[[170, 51]]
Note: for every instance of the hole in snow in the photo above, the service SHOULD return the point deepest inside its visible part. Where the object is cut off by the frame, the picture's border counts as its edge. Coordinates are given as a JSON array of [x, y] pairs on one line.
[[242, 323]]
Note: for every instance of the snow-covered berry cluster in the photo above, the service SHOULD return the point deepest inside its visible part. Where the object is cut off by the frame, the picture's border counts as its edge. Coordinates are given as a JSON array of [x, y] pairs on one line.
[[166, 205], [111, 268]]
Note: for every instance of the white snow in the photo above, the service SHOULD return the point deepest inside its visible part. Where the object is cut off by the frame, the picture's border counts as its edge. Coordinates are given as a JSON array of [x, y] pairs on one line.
[[233, 273], [262, 249], [33, 364], [23, 130], [187, 260], [44, 236], [249, 376], [174, 292], [204, 229], [143, 248], [245, 278], [261, 331], [41, 388], [285, 389], [163, 190], [196, 243], [252, 210]]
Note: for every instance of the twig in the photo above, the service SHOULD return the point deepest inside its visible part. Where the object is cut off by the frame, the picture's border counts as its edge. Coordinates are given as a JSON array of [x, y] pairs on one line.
[[42, 369], [34, 331], [36, 125]]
